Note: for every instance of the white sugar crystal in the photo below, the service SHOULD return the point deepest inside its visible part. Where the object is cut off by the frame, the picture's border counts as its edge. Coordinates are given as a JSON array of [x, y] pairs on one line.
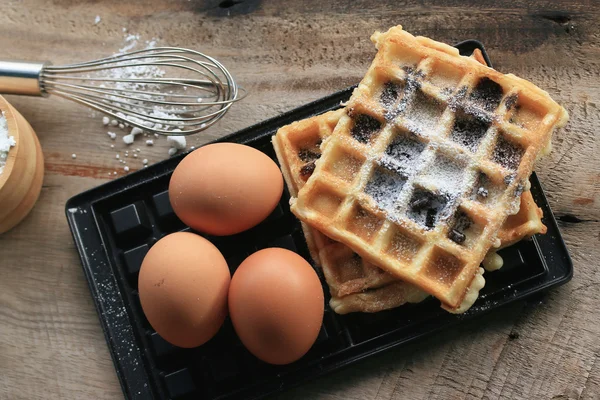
[[114, 122], [121, 126], [145, 161], [112, 135], [73, 156], [6, 142], [136, 131], [126, 168], [97, 20], [105, 120], [177, 142], [128, 139], [149, 142], [172, 151], [117, 156]]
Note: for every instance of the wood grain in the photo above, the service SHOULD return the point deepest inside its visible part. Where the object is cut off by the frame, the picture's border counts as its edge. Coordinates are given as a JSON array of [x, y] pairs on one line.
[[286, 54]]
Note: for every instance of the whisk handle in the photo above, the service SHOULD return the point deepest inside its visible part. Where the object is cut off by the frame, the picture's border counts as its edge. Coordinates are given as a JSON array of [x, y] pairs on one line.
[[21, 77]]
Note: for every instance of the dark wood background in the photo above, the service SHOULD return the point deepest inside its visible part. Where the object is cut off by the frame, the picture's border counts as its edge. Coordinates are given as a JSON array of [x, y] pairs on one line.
[[286, 54]]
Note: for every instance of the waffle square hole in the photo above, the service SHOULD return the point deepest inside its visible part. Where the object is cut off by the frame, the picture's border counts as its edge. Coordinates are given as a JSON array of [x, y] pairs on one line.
[[524, 115], [344, 165], [402, 245], [464, 230], [364, 223], [426, 208], [403, 153], [403, 56], [485, 190], [487, 94], [310, 153], [325, 201], [389, 96], [384, 187], [507, 153], [445, 174], [365, 128], [468, 131], [424, 113], [443, 77], [443, 267]]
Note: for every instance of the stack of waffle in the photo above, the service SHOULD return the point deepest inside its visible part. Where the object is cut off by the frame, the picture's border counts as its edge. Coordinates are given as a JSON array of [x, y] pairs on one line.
[[420, 178]]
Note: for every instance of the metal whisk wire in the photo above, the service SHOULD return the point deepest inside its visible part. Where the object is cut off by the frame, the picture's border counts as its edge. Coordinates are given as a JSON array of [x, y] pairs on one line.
[[164, 90]]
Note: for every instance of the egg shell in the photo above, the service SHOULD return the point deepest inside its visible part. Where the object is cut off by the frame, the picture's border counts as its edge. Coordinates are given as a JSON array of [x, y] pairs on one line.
[[276, 305], [183, 285], [225, 188]]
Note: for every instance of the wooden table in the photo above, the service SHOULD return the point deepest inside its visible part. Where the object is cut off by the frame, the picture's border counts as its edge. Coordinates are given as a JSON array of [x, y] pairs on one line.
[[51, 344]]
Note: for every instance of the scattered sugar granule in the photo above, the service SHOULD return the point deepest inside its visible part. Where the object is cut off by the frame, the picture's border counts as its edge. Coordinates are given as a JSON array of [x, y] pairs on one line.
[[192, 147], [114, 172], [117, 156], [172, 151], [132, 41], [73, 156], [145, 161], [135, 156], [105, 121], [126, 168], [112, 146], [136, 131], [156, 135], [177, 141], [128, 139], [121, 126], [149, 142], [97, 20], [114, 122], [137, 149], [112, 135], [6, 142]]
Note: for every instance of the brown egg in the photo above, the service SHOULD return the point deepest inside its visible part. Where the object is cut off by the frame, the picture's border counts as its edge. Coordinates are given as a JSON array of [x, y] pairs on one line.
[[276, 305], [183, 286], [225, 188]]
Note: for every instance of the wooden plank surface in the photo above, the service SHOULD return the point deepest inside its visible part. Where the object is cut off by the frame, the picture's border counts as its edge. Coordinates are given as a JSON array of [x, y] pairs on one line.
[[286, 54]]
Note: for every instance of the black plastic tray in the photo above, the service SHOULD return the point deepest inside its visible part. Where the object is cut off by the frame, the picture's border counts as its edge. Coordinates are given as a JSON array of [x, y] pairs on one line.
[[115, 224]]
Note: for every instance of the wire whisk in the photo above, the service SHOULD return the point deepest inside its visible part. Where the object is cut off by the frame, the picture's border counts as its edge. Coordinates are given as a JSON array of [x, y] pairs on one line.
[[163, 90]]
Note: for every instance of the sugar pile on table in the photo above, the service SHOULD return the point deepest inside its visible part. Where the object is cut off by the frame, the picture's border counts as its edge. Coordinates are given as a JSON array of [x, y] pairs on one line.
[[6, 142]]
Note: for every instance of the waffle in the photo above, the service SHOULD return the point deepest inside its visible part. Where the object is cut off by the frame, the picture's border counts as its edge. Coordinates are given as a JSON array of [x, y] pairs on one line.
[[428, 161], [356, 285]]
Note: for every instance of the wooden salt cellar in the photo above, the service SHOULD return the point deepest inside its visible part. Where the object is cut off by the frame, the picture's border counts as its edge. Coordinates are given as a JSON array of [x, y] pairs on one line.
[[21, 181]]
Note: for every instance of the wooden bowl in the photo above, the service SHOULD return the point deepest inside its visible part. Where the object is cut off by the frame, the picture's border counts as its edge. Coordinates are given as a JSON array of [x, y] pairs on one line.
[[21, 181]]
